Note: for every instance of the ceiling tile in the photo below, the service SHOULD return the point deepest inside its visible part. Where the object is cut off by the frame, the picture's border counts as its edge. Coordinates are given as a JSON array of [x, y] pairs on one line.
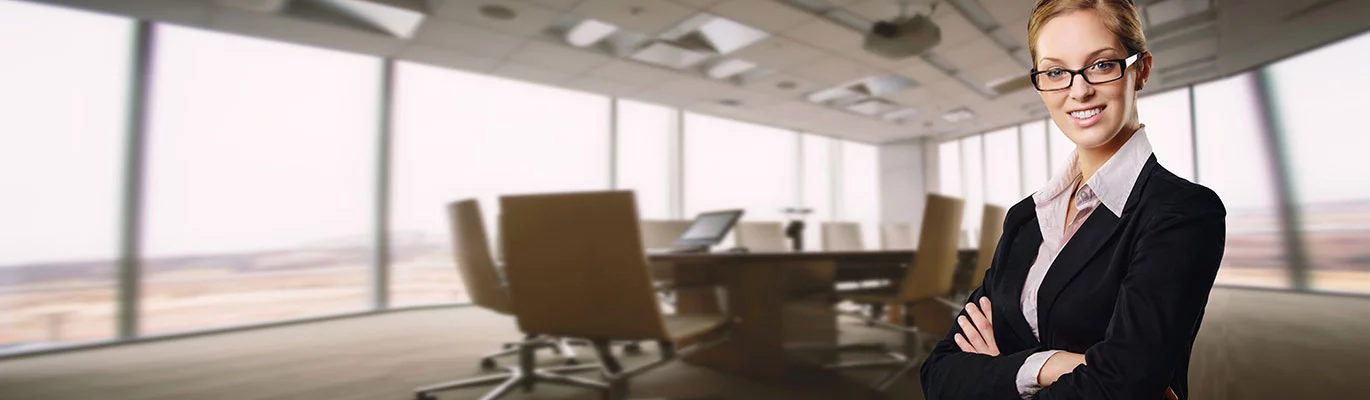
[[1006, 11], [879, 10], [534, 74], [529, 18], [780, 52], [634, 73], [797, 86], [825, 35], [769, 16], [540, 53], [994, 71], [920, 71], [975, 54], [1018, 31], [602, 86], [466, 38], [1185, 54], [833, 70], [193, 13], [700, 4], [923, 98], [956, 30], [447, 58], [305, 32], [650, 17]]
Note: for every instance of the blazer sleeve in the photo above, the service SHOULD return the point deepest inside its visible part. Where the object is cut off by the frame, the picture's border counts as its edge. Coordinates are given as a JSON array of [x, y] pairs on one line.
[[1160, 301], [949, 373]]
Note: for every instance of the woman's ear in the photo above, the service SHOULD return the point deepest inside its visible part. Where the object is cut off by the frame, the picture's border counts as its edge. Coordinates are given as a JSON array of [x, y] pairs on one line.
[[1143, 70]]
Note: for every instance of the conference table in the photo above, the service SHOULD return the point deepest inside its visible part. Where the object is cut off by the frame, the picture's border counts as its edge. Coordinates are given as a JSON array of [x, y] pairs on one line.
[[784, 320]]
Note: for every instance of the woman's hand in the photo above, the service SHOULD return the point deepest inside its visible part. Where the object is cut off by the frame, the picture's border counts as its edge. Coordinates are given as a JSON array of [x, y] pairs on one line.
[[977, 332]]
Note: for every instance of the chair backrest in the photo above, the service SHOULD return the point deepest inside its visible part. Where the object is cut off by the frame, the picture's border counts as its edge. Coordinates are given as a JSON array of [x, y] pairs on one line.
[[662, 233], [761, 237], [896, 236], [934, 264], [991, 226], [471, 251], [842, 236], [575, 263]]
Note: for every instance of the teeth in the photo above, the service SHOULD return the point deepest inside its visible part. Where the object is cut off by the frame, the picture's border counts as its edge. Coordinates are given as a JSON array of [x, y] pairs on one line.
[[1085, 114]]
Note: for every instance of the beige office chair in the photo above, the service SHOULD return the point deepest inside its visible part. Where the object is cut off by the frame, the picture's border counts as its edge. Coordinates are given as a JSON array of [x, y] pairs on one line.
[[662, 233], [842, 236], [486, 288], [896, 236], [929, 280], [991, 226], [761, 237], [577, 267]]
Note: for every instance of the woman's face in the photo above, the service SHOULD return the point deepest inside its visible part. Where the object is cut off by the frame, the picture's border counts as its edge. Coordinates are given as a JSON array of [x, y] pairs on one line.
[[1073, 41]]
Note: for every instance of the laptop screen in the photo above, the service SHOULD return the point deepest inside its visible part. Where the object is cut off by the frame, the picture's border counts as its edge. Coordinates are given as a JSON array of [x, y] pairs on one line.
[[709, 228]]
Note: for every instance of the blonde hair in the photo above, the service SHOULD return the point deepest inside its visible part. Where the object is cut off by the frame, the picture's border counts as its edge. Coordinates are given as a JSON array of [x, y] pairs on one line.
[[1120, 16]]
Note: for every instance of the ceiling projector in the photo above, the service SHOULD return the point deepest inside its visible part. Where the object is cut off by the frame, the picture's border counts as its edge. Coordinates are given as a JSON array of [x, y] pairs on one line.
[[902, 37]]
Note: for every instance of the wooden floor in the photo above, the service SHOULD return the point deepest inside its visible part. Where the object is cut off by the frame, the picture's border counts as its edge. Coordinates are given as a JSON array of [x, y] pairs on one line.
[[374, 357], [1253, 345]]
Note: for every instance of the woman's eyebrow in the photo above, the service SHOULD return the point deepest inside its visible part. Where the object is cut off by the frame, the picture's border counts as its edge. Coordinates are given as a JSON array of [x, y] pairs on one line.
[[1091, 54]]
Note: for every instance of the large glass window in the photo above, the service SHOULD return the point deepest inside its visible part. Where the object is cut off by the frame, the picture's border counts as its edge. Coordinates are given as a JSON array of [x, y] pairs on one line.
[[1002, 168], [949, 168], [643, 159], [261, 160], [731, 164], [818, 190], [1325, 141], [62, 121], [973, 181], [460, 135], [1033, 139], [1169, 129], [1234, 161], [861, 190]]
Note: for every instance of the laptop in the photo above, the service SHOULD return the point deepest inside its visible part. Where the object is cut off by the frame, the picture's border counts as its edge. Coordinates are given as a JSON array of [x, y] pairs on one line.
[[706, 230]]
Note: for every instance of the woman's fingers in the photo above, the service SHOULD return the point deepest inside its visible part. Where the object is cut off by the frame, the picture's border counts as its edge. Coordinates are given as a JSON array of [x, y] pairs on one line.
[[989, 311], [972, 335], [986, 324], [965, 346]]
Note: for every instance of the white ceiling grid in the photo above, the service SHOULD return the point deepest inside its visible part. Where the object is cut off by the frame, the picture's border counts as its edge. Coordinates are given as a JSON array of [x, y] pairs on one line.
[[804, 53]]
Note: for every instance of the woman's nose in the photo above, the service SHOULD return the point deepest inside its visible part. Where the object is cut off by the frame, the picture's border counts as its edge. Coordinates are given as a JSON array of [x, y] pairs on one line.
[[1079, 88]]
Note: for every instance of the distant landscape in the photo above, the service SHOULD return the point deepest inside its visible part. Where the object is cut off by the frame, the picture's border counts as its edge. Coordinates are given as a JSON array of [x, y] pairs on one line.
[[74, 301]]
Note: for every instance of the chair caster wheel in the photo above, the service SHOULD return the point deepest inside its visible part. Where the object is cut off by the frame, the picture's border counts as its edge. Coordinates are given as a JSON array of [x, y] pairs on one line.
[[486, 363], [632, 348], [425, 396], [572, 361]]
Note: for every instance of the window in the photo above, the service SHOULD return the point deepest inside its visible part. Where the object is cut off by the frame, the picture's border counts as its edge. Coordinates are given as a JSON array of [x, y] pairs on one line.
[[1033, 138], [949, 168], [1168, 128], [1059, 148], [818, 189], [972, 164], [861, 190], [1002, 168], [731, 164], [260, 174], [61, 146], [1234, 162], [644, 135], [460, 135], [1325, 143]]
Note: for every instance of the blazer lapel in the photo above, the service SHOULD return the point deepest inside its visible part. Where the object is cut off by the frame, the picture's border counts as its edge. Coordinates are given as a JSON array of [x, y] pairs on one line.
[[1026, 241], [1098, 230]]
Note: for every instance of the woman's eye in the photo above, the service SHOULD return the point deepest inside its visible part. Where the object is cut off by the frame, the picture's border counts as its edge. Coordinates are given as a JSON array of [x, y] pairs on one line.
[[1103, 66], [1055, 73]]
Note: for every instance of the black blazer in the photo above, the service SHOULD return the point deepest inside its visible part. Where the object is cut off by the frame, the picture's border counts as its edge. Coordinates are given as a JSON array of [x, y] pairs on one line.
[[1127, 291]]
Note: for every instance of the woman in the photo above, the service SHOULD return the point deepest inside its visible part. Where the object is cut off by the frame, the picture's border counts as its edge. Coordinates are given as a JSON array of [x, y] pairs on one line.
[[1100, 278]]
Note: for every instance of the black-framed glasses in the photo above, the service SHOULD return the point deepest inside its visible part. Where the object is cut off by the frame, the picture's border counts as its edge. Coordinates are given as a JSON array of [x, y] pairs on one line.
[[1100, 72]]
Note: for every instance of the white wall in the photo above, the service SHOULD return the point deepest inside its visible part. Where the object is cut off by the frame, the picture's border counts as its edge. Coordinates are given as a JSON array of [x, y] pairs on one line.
[[903, 182]]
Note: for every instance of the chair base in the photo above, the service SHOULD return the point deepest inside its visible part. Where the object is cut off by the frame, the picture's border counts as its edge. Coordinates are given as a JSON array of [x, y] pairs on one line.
[[516, 378]]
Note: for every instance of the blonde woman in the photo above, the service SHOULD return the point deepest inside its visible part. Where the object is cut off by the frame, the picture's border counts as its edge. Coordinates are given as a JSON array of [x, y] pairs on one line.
[[1100, 279]]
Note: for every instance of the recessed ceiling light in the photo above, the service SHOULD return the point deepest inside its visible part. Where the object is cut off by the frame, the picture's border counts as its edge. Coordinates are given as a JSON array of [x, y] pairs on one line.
[[958, 115], [669, 55], [900, 115], [709, 33], [495, 11], [728, 67], [589, 32], [871, 107]]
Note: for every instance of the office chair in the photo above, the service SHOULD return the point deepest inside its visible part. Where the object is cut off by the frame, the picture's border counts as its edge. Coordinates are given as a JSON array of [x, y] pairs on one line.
[[486, 289], [925, 286], [577, 267], [761, 237], [896, 236], [842, 236], [662, 233], [991, 226]]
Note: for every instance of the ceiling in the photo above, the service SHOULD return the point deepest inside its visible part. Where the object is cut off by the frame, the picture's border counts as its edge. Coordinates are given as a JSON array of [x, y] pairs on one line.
[[801, 52]]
